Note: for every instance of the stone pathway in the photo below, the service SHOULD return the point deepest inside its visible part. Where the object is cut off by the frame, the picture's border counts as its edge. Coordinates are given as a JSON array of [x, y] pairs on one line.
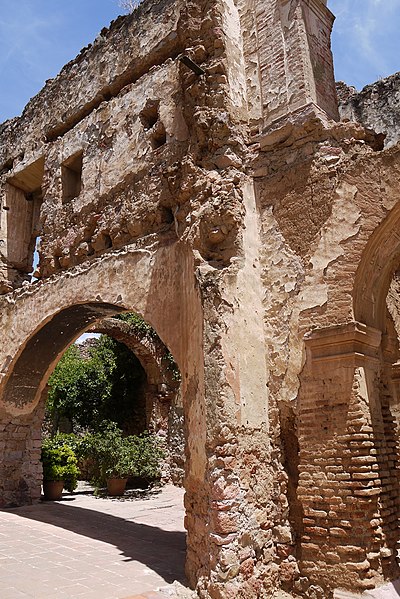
[[387, 591], [84, 547]]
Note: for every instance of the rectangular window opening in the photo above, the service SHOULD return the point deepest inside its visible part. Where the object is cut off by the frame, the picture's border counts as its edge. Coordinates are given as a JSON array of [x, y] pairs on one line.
[[23, 203], [71, 175]]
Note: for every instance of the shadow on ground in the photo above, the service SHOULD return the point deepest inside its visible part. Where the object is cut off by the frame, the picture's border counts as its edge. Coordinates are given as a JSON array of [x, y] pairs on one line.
[[160, 550], [132, 494]]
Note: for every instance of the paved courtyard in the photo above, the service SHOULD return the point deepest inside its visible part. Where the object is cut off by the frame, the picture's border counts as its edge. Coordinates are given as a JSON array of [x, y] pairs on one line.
[[94, 548]]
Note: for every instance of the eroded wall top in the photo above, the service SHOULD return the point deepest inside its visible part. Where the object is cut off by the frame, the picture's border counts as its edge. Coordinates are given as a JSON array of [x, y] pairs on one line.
[[119, 56], [121, 144], [377, 106]]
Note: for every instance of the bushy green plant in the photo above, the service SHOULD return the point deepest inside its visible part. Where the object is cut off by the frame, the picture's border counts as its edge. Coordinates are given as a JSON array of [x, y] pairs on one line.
[[69, 440], [101, 386], [59, 463], [106, 452], [114, 456], [148, 456]]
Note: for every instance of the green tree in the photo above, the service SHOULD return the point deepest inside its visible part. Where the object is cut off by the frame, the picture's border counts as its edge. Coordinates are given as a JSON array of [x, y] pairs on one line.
[[105, 385]]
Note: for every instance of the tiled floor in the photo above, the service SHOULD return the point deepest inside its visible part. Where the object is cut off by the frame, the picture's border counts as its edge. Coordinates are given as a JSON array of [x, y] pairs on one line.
[[90, 548]]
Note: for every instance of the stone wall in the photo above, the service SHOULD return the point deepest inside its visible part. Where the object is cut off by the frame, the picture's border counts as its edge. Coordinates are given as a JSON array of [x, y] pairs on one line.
[[259, 237], [376, 106], [139, 200]]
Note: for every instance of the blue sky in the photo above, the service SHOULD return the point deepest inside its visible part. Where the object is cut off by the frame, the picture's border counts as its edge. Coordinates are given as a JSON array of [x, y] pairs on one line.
[[366, 39], [37, 37]]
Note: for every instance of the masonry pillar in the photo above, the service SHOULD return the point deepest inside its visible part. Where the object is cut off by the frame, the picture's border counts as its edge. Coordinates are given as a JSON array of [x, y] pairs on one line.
[[289, 63], [348, 461], [298, 66], [20, 466]]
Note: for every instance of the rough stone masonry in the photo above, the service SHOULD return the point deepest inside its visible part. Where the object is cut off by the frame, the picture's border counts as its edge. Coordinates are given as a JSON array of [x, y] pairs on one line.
[[258, 235]]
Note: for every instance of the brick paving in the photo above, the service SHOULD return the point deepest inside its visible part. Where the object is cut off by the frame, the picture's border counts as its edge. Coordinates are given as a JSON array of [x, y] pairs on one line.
[[84, 547]]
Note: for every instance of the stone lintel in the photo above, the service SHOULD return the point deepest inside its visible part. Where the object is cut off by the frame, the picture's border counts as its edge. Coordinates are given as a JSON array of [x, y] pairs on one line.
[[347, 341]]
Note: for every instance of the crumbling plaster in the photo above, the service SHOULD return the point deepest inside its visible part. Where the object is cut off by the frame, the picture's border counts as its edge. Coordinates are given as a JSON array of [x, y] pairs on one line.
[[257, 235]]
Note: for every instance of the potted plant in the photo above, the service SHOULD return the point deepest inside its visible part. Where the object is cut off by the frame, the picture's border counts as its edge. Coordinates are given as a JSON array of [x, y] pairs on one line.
[[116, 458], [59, 468], [111, 457]]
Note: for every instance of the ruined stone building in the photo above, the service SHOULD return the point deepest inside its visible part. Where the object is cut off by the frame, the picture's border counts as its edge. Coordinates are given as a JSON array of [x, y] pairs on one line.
[[190, 166]]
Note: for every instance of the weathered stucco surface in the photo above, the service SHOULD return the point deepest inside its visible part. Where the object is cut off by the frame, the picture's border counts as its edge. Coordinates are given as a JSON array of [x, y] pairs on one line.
[[259, 237], [377, 106]]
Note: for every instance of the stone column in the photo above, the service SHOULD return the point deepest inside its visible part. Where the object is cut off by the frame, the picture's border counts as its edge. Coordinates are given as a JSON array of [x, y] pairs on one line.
[[347, 461]]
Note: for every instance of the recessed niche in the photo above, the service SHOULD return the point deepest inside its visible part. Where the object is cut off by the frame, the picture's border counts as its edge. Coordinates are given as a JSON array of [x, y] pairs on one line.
[[149, 114], [71, 175], [158, 136]]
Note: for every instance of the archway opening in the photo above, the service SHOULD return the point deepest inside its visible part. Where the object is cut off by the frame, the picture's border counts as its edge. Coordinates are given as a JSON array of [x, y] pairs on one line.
[[27, 385], [377, 305], [120, 371], [96, 379]]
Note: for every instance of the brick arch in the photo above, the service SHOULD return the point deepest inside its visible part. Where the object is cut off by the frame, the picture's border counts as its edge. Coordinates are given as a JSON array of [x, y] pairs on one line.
[[378, 263], [347, 430]]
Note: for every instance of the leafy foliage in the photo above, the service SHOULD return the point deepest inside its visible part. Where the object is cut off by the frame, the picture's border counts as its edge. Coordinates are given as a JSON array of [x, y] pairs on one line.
[[137, 322], [59, 462], [103, 386], [148, 455], [172, 366], [114, 456], [142, 327]]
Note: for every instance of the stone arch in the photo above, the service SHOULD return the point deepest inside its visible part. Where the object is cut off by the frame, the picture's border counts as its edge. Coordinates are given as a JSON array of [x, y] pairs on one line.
[[149, 349], [379, 260], [29, 372], [349, 438], [160, 286]]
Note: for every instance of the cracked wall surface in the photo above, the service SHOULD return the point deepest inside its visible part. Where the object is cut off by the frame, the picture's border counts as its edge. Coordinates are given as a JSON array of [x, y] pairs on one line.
[[376, 106], [257, 234]]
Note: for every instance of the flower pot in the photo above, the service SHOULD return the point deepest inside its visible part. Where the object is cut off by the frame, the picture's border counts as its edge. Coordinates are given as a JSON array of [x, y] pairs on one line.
[[52, 489], [116, 486]]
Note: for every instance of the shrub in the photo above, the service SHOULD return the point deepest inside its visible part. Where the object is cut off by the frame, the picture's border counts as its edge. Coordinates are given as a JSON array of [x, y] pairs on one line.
[[148, 456], [59, 463], [104, 385], [114, 456]]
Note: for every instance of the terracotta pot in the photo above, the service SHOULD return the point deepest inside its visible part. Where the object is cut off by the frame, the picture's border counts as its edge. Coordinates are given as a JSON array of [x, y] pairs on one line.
[[116, 486], [52, 489]]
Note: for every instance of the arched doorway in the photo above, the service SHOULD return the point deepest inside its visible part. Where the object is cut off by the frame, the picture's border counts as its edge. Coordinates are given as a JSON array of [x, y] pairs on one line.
[[161, 288], [349, 439], [120, 370], [161, 401]]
